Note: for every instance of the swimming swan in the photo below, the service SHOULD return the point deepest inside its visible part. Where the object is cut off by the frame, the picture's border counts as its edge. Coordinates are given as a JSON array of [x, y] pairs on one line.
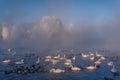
[[53, 70], [91, 67], [7, 61]]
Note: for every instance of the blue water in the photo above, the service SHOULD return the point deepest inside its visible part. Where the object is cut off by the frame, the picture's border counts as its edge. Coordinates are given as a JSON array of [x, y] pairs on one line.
[[98, 74]]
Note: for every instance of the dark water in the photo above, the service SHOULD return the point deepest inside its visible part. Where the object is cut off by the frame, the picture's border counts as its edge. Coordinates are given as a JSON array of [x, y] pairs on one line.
[[98, 74]]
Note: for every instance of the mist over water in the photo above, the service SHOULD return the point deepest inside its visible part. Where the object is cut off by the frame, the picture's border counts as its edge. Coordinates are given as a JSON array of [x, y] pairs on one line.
[[51, 32]]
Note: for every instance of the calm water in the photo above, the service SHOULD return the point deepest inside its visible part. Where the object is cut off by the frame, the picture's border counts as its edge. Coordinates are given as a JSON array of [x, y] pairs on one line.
[[98, 74]]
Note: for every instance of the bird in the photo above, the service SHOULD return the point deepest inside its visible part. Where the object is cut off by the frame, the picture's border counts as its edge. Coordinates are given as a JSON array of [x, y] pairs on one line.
[[110, 63], [68, 60], [20, 62], [74, 68], [48, 57], [57, 56], [97, 62], [67, 63], [38, 60], [47, 60], [7, 61], [9, 50], [53, 70], [113, 70], [74, 58], [92, 58], [102, 58], [85, 55], [91, 54], [91, 67], [98, 55]]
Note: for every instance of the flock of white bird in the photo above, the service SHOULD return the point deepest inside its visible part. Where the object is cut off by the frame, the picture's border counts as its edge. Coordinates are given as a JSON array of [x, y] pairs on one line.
[[97, 58]]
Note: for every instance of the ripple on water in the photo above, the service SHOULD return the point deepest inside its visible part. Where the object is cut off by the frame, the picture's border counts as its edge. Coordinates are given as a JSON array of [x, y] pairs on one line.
[[97, 74]]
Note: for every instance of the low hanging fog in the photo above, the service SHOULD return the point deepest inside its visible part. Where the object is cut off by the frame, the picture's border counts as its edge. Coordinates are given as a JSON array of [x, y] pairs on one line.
[[51, 32]]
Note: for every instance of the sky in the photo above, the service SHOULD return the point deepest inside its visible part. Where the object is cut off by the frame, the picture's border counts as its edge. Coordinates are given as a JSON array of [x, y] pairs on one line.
[[67, 10], [60, 23]]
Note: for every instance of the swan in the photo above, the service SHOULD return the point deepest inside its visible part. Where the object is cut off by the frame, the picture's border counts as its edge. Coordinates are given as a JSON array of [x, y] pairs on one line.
[[20, 62], [113, 70], [98, 55], [56, 57], [9, 50], [74, 58], [102, 58], [67, 63], [68, 60], [85, 55], [53, 70], [97, 62], [92, 58], [38, 60], [54, 61], [47, 60], [48, 57], [64, 56], [75, 68], [91, 67], [110, 63], [91, 54], [7, 61]]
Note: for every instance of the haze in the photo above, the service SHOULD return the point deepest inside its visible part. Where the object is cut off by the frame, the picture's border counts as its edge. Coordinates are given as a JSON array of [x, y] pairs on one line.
[[58, 24]]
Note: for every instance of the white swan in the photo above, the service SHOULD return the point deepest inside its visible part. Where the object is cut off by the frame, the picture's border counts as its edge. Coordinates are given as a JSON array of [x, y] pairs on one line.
[[85, 55], [102, 58], [67, 63], [97, 62], [91, 67], [110, 63], [75, 68], [48, 57], [9, 50], [91, 54], [63, 58], [74, 58], [98, 55], [7, 61], [54, 61], [92, 58], [56, 57], [113, 70], [68, 60], [47, 60], [20, 62], [53, 70]]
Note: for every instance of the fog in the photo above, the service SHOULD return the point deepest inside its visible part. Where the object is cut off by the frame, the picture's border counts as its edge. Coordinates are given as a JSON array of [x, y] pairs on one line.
[[51, 32]]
